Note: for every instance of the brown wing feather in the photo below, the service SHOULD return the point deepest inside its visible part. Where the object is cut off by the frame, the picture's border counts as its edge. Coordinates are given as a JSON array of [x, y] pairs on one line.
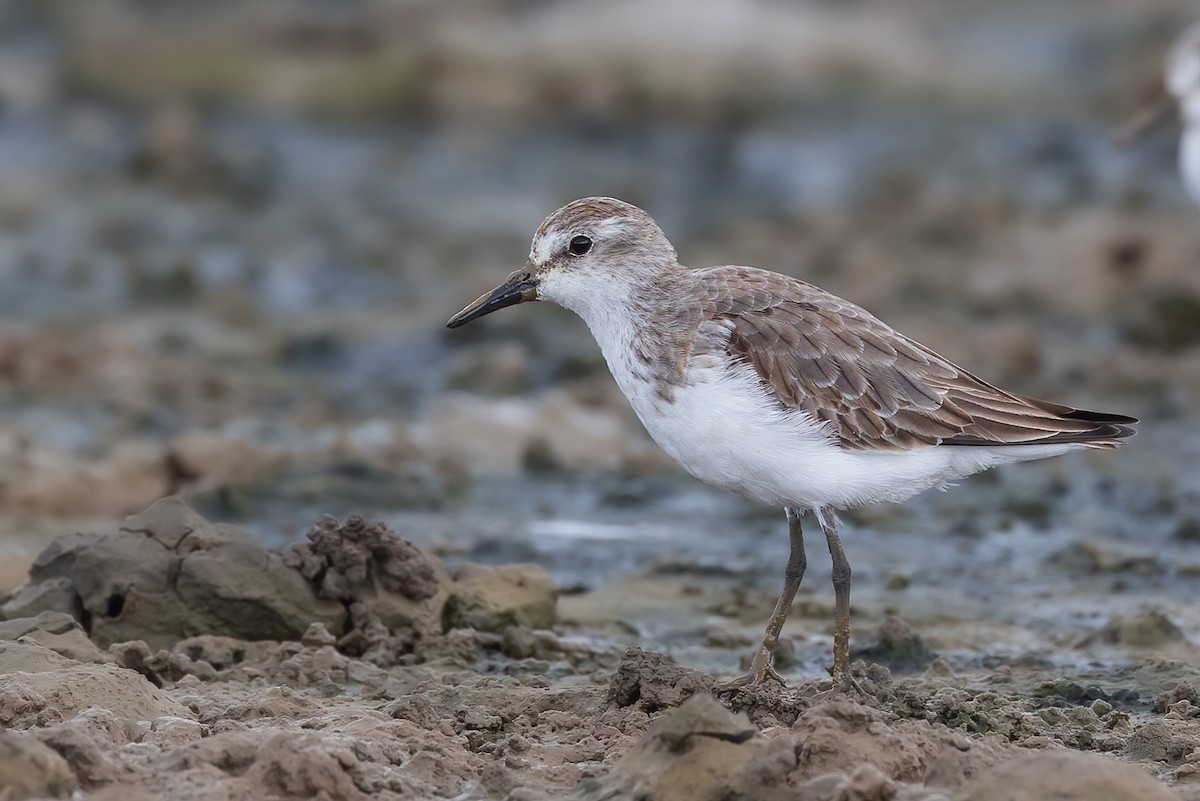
[[877, 389]]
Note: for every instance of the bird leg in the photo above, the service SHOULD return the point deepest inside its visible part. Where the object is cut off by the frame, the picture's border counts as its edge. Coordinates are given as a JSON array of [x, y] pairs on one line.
[[842, 681], [760, 667]]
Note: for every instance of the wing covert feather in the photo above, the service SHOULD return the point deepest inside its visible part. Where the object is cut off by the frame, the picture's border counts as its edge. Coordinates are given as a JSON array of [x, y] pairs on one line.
[[877, 389]]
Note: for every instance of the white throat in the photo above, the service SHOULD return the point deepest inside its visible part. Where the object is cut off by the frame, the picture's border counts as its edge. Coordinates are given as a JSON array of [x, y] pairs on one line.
[[607, 304]]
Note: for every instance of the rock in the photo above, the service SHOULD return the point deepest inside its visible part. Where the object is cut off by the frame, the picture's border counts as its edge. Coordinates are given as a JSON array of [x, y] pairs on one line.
[[700, 752], [169, 521], [865, 784], [494, 598], [303, 765], [841, 736], [107, 572], [582, 437], [180, 665], [229, 461], [29, 657], [482, 436], [29, 769], [239, 589], [48, 622], [59, 632], [170, 731], [826, 787], [1101, 557], [654, 682], [37, 698], [1164, 740], [1149, 627], [899, 648], [503, 435], [223, 652], [317, 635], [1166, 319], [1183, 691], [1065, 776], [89, 761], [137, 656], [123, 792], [1187, 530], [169, 574], [52, 595], [1067, 691], [523, 643], [105, 728], [490, 368]]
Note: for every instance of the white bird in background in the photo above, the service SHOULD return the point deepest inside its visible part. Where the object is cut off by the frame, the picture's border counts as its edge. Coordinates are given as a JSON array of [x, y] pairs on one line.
[[1183, 82], [1181, 90]]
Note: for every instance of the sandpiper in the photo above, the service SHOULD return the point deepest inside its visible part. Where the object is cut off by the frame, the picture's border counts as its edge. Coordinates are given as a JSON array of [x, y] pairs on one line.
[[1183, 82], [769, 386]]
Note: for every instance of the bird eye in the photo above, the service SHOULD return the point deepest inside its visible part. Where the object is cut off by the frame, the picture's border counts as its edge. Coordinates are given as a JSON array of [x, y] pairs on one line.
[[580, 245]]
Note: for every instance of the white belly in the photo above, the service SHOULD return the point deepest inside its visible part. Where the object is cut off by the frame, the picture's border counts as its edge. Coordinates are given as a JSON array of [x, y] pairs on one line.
[[724, 429]]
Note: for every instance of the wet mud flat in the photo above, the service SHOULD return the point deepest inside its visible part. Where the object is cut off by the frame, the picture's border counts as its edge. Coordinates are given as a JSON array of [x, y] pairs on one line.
[[174, 657]]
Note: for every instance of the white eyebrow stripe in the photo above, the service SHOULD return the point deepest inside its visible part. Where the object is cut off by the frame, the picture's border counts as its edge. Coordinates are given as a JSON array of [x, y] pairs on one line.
[[544, 248]]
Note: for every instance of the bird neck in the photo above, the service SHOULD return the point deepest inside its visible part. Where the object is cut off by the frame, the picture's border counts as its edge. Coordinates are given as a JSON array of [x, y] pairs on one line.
[[625, 299], [636, 325]]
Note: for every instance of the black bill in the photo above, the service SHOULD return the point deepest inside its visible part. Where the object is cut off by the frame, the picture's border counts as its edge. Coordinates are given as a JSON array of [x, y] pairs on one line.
[[517, 288]]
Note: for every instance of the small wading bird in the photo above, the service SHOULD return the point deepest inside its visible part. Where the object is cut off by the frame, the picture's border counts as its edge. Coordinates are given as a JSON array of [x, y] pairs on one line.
[[768, 386], [1182, 84]]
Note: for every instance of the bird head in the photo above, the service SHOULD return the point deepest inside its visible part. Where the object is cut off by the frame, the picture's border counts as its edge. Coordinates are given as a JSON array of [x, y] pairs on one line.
[[595, 250]]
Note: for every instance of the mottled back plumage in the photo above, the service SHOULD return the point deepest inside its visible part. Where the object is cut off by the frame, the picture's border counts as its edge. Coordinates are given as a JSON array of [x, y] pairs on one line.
[[876, 388]]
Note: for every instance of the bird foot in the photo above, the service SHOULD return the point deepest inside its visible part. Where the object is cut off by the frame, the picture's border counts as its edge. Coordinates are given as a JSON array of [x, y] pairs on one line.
[[760, 674], [844, 683]]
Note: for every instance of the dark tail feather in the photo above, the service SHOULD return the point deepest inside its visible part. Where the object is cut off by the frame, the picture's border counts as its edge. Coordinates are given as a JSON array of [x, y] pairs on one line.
[[1109, 428], [1106, 430]]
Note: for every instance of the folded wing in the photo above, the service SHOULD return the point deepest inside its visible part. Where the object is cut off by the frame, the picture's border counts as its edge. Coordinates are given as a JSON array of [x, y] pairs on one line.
[[877, 389]]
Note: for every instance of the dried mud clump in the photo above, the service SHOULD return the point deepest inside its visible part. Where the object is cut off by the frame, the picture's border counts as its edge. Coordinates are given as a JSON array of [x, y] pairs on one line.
[[652, 682], [384, 582], [392, 592], [352, 561]]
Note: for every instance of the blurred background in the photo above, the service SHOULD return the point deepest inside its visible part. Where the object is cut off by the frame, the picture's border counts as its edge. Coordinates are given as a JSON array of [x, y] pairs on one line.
[[231, 233]]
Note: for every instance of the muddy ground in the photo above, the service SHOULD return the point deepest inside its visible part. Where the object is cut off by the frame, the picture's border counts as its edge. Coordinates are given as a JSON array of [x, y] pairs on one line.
[[231, 233], [174, 658]]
